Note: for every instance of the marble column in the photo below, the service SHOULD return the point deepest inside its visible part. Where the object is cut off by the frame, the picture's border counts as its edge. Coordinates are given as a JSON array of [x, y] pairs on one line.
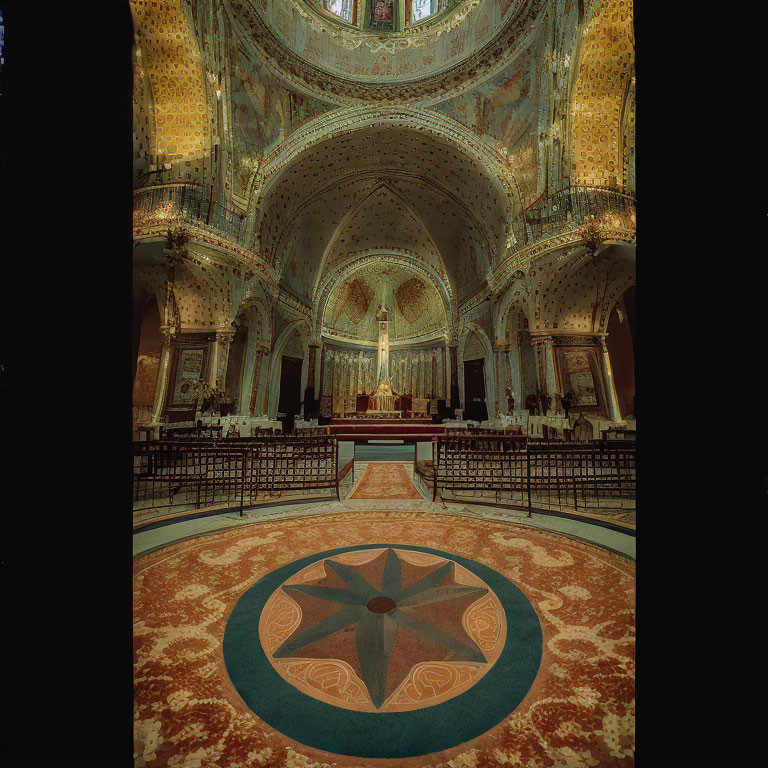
[[310, 409], [261, 349], [163, 372], [513, 358], [545, 363], [219, 368], [500, 352], [453, 350], [606, 373]]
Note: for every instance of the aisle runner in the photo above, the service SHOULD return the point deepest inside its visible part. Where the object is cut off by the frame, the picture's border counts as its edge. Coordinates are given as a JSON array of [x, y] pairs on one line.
[[385, 480]]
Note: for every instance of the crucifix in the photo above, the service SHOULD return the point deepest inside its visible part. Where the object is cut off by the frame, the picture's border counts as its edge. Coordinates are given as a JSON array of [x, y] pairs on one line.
[[383, 363]]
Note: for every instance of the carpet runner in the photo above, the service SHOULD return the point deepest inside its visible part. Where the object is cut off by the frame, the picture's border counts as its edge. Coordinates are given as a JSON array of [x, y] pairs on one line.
[[385, 480]]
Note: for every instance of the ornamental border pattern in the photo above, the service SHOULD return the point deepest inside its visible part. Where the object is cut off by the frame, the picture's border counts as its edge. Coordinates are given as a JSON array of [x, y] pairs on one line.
[[320, 83]]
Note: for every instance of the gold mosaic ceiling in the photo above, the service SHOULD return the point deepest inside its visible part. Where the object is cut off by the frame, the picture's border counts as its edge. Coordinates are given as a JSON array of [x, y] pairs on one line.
[[168, 53]]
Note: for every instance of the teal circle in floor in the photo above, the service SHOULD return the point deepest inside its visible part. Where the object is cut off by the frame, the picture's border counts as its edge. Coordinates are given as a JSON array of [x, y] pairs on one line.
[[386, 734]]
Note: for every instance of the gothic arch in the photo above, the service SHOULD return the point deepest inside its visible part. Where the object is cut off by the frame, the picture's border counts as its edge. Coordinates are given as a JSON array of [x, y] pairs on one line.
[[489, 368], [303, 328]]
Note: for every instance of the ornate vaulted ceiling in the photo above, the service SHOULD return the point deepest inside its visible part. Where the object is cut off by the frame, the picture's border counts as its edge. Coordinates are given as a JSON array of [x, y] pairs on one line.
[[383, 187]]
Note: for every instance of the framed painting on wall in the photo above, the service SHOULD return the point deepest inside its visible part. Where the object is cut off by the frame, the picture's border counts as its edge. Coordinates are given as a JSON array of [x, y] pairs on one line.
[[580, 376], [188, 369]]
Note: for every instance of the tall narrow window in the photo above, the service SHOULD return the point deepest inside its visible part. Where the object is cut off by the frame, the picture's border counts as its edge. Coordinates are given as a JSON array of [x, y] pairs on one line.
[[340, 8], [423, 9]]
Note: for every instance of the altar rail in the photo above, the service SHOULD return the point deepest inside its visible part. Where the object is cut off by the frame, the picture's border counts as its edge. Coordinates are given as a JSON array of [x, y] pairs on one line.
[[576, 475], [234, 470]]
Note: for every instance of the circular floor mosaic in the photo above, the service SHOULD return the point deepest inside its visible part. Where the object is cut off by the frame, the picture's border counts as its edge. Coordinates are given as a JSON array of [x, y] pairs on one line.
[[451, 642], [421, 650]]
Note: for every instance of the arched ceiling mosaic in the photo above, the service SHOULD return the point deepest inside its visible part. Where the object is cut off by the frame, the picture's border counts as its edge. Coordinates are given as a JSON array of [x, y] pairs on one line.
[[604, 76], [328, 58], [382, 186], [415, 308], [167, 54]]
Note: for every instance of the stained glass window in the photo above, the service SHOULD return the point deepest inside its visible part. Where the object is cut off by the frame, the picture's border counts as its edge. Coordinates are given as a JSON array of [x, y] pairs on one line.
[[341, 8]]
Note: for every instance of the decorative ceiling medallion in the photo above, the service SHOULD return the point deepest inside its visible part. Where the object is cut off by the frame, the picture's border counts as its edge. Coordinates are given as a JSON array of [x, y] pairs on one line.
[[308, 69]]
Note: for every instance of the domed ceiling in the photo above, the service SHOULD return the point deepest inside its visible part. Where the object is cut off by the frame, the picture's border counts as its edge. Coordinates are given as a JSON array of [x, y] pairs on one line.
[[378, 60], [416, 312], [382, 187]]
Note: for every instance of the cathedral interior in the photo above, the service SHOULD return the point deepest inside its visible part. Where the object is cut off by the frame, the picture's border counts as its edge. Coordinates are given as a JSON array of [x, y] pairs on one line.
[[383, 405]]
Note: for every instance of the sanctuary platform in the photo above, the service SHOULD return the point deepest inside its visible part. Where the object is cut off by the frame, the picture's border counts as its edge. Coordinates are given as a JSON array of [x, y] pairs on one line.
[[366, 428]]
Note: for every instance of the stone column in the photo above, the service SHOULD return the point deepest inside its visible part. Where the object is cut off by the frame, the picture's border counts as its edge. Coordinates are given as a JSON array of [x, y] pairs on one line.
[[453, 349], [261, 350], [606, 373], [163, 372], [500, 352], [545, 363], [221, 358], [310, 404], [513, 357]]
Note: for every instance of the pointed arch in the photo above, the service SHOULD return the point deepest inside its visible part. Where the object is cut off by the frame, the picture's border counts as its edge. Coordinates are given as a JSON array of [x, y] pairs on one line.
[[301, 326]]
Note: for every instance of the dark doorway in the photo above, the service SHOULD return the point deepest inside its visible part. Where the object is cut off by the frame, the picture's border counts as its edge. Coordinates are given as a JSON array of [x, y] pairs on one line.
[[289, 402], [621, 351], [475, 407]]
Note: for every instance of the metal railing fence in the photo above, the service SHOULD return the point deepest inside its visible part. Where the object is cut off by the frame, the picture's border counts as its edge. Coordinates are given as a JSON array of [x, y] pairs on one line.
[[572, 204], [201, 473], [191, 202], [589, 475]]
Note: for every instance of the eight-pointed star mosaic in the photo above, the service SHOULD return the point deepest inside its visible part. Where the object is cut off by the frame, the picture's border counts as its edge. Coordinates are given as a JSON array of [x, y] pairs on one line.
[[383, 617]]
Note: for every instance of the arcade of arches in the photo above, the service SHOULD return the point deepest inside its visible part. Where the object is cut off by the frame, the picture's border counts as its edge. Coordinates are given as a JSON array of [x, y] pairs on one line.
[[359, 215]]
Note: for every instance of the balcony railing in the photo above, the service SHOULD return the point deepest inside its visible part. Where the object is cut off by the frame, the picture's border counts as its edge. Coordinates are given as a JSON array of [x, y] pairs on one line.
[[573, 206], [192, 203]]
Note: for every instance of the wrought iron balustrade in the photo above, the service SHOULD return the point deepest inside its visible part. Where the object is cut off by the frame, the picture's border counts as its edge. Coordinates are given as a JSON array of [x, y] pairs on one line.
[[191, 202], [572, 206]]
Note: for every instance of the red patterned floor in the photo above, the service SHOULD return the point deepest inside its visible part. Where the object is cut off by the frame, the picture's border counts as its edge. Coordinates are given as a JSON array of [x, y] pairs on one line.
[[578, 712]]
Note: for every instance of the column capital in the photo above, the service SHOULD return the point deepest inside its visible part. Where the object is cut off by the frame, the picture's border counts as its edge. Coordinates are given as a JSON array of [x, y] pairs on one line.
[[169, 333], [224, 336]]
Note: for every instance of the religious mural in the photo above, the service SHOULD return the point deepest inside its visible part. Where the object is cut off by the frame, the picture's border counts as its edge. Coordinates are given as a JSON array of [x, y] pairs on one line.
[[580, 377], [263, 113], [382, 15], [189, 369], [412, 298], [504, 108], [415, 307], [146, 380], [354, 298]]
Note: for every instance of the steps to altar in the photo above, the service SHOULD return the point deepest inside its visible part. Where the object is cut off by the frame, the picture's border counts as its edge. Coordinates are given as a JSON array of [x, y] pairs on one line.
[[414, 429], [391, 420]]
